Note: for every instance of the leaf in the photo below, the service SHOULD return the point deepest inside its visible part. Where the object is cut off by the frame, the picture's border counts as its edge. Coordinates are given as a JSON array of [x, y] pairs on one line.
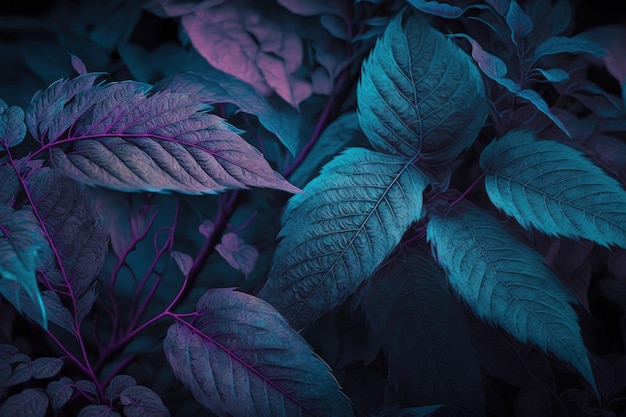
[[536, 100], [609, 37], [238, 253], [247, 44], [334, 236], [419, 94], [98, 411], [507, 284], [444, 10], [129, 141], [31, 402], [500, 6], [57, 312], [214, 86], [554, 75], [21, 239], [46, 367], [10, 185], [340, 134], [424, 411], [242, 359], [118, 384], [423, 334], [60, 392], [574, 45], [554, 188], [183, 261], [140, 401], [78, 233], [518, 21], [12, 126], [87, 387], [78, 65]]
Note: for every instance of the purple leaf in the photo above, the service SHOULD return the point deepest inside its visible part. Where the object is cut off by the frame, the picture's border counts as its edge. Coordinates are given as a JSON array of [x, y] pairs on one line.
[[500, 6], [206, 228], [520, 24], [32, 402], [242, 359], [78, 65], [140, 401], [60, 392], [177, 8], [46, 367], [10, 185], [118, 384], [533, 97], [237, 253], [183, 261], [312, 8], [129, 141], [57, 312], [242, 42], [21, 240], [98, 411], [12, 126], [576, 45]]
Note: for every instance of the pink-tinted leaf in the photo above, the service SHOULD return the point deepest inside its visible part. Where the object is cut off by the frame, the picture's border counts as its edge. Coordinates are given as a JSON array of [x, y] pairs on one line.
[[611, 37], [22, 373], [241, 42], [12, 127], [237, 253], [78, 65], [183, 261], [500, 6], [60, 392], [118, 384], [57, 312], [206, 228], [176, 8]]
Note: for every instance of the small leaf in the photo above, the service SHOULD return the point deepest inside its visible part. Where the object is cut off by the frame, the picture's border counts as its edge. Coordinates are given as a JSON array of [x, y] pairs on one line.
[[335, 235], [520, 24], [577, 199], [238, 253], [46, 367], [562, 44], [424, 411], [60, 392], [10, 185], [183, 261], [420, 94], [610, 38], [21, 239], [140, 401], [444, 10], [98, 411], [118, 384], [206, 228], [242, 359], [78, 65], [506, 283], [554, 75], [536, 100], [22, 373], [32, 402], [57, 312], [312, 8], [12, 126]]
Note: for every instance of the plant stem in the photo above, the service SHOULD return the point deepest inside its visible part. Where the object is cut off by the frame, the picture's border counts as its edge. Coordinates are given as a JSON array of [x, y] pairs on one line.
[[470, 188]]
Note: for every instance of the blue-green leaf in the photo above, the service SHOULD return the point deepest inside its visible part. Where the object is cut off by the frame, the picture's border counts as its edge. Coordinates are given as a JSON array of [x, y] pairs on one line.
[[506, 283], [518, 21], [12, 126], [336, 234], [21, 240], [540, 104], [575, 45], [242, 359], [554, 75], [423, 411], [423, 333], [554, 188], [420, 94]]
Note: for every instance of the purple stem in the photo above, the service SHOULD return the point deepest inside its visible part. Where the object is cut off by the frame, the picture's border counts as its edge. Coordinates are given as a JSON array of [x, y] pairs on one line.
[[246, 223], [470, 188]]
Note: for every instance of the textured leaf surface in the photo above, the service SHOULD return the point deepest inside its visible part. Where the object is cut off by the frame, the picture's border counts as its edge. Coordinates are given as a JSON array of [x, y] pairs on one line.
[[21, 240], [554, 188], [520, 24], [140, 401], [126, 139], [98, 411], [118, 384], [507, 283], [424, 411], [575, 45], [12, 126], [32, 402], [424, 334], [536, 100], [419, 94], [60, 392], [444, 10], [334, 236], [238, 253], [242, 359]]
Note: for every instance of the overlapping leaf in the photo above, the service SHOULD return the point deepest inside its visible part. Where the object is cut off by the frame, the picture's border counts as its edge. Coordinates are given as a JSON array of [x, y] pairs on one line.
[[507, 283], [554, 188], [124, 138], [419, 94], [334, 236], [12, 127], [242, 359], [424, 334]]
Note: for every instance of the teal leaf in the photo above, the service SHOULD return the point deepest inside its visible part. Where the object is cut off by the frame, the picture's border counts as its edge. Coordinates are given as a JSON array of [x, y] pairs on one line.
[[423, 333], [554, 188], [518, 21], [60, 392], [574, 45], [242, 359], [554, 75], [12, 126], [336, 234], [507, 284], [536, 100], [21, 240], [419, 94]]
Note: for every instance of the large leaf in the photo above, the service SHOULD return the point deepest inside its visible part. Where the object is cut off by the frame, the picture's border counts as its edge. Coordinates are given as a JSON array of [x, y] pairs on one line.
[[423, 333], [21, 240], [124, 138], [554, 188], [334, 236], [242, 359], [507, 283], [419, 94]]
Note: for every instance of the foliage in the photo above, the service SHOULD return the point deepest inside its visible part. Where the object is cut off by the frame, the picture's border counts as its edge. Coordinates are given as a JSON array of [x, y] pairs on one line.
[[268, 220]]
